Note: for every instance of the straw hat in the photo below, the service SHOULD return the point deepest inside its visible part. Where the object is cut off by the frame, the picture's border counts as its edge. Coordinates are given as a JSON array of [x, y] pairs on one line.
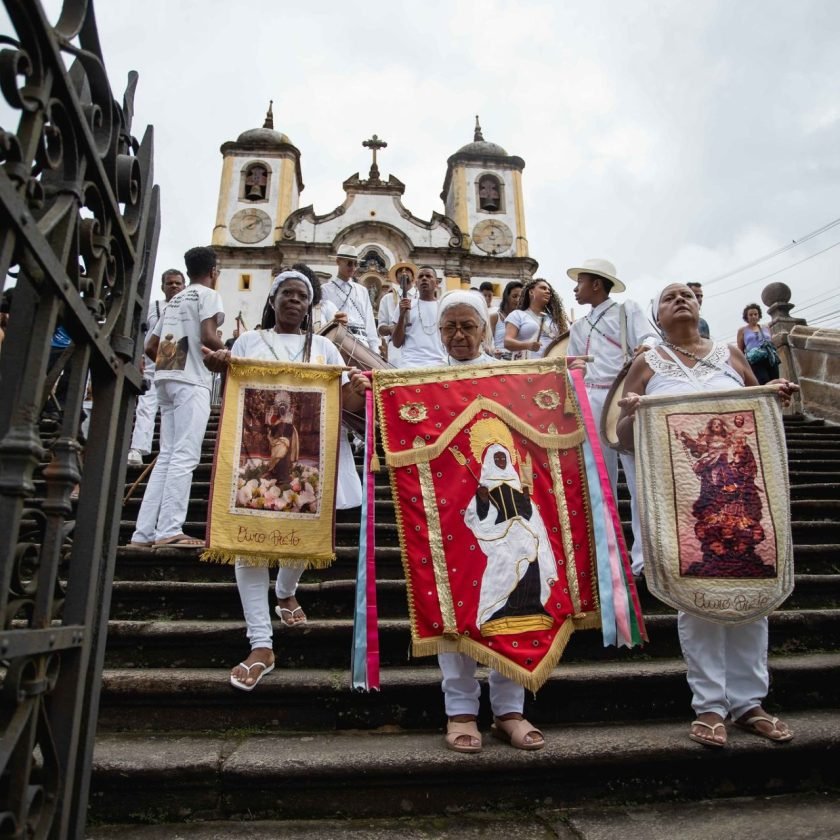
[[397, 267], [601, 268]]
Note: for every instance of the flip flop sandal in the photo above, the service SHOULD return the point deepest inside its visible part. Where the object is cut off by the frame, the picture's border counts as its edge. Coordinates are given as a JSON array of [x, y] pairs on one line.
[[141, 544], [514, 731], [707, 742], [749, 725], [457, 728], [283, 611], [179, 541], [266, 669]]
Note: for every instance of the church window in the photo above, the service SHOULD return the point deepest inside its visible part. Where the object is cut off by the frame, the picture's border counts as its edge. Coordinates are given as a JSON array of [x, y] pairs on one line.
[[490, 194], [256, 178], [244, 282], [373, 260]]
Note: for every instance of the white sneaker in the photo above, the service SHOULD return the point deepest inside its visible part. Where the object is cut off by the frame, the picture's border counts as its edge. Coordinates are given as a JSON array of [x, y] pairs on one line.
[[135, 458]]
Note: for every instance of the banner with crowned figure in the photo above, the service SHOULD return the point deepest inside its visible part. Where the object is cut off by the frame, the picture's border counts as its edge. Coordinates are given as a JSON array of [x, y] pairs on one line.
[[272, 498], [493, 512], [715, 502]]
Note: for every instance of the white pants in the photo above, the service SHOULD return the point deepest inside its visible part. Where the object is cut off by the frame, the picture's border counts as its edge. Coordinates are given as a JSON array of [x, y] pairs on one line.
[[727, 664], [144, 415], [597, 398], [184, 410], [461, 690], [252, 583]]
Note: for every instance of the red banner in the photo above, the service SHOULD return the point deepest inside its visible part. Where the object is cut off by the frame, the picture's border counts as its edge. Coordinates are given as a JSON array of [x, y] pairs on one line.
[[492, 509]]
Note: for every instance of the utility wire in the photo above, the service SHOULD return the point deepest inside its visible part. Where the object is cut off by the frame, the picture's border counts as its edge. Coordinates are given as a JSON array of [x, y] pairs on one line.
[[772, 274], [775, 253]]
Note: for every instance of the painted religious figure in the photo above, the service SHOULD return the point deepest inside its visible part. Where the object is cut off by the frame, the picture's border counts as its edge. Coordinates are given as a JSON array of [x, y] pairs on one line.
[[728, 510], [521, 569], [279, 454]]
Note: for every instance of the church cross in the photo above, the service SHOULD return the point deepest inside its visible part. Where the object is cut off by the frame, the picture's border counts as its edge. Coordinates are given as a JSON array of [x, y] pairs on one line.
[[374, 144]]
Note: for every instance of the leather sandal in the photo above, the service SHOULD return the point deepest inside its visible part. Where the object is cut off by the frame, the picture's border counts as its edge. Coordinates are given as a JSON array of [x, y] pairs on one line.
[[514, 732], [713, 728], [776, 734], [456, 729]]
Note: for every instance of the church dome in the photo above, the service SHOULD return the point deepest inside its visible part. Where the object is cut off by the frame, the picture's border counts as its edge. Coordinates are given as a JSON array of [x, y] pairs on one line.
[[265, 136], [480, 146]]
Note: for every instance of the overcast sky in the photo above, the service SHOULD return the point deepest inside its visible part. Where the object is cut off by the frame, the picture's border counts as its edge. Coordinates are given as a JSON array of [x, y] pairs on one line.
[[679, 139]]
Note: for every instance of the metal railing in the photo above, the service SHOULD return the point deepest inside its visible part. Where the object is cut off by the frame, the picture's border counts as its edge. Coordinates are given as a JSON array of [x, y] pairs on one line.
[[78, 231]]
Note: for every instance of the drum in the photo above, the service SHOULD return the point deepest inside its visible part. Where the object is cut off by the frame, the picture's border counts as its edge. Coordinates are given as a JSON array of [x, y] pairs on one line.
[[356, 353], [612, 411], [558, 347]]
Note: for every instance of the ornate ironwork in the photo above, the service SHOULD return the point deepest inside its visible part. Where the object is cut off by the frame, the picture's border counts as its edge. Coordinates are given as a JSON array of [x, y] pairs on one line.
[[78, 229]]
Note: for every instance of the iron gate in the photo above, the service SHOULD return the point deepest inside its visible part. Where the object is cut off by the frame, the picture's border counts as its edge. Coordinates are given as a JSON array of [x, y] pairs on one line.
[[78, 229]]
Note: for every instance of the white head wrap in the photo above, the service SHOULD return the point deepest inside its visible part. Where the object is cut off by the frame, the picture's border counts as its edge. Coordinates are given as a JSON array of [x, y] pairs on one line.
[[493, 476], [458, 297], [476, 301], [281, 278]]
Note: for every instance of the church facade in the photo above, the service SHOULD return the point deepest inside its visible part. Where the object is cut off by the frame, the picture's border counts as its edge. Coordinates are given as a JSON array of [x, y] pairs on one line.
[[260, 225]]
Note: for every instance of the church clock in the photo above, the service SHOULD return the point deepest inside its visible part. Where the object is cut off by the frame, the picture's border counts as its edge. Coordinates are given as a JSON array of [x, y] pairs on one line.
[[492, 236], [250, 225]]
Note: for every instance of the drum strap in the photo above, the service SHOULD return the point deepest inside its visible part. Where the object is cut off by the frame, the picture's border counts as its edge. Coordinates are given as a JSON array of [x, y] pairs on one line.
[[593, 327]]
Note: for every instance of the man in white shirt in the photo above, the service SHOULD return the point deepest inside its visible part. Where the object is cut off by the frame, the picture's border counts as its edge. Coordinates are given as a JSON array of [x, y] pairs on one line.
[[351, 297], [183, 384], [612, 333], [403, 284], [416, 332], [172, 282]]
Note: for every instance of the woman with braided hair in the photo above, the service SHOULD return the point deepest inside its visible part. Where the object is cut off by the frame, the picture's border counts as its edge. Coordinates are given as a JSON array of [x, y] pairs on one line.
[[538, 321]]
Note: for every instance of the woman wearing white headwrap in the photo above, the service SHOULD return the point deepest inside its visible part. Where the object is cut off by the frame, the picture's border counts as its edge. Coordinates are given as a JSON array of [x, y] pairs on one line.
[[726, 664], [464, 326], [284, 337]]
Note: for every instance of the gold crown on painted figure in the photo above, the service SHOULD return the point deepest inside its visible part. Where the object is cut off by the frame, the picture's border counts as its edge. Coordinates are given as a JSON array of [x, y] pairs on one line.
[[486, 432]]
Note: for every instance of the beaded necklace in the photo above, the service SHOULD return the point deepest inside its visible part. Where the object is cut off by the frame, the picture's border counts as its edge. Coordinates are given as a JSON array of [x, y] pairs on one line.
[[292, 358]]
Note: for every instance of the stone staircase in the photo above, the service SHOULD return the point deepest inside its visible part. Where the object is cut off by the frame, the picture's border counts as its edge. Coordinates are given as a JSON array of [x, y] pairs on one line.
[[177, 743]]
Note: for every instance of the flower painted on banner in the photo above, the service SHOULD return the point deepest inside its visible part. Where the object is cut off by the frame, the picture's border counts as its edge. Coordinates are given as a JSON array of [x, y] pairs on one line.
[[414, 412], [548, 399]]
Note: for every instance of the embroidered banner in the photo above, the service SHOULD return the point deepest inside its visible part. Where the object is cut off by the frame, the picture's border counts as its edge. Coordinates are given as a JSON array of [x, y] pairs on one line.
[[714, 500], [490, 491], [272, 499]]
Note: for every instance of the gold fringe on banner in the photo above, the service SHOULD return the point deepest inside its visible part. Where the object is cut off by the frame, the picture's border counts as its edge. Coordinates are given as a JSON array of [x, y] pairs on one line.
[[257, 560]]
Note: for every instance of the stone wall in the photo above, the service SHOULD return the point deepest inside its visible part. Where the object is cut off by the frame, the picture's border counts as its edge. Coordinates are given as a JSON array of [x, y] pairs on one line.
[[810, 356]]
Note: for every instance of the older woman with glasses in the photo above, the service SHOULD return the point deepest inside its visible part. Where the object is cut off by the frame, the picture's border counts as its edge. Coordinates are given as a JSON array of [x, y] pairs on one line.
[[464, 325]]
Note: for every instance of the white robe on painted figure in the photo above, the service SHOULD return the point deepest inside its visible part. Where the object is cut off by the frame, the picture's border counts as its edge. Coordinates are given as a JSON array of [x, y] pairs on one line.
[[510, 545]]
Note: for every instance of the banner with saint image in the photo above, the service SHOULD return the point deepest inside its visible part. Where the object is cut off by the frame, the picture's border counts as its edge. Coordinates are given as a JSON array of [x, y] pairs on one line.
[[272, 499], [714, 500], [493, 511]]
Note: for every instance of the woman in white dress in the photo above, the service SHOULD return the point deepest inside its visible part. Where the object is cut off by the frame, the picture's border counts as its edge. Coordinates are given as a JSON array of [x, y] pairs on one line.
[[509, 303], [726, 664], [464, 325], [284, 337], [538, 321]]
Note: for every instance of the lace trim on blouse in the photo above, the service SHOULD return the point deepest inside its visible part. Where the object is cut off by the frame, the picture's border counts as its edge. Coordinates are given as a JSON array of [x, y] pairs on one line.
[[717, 358]]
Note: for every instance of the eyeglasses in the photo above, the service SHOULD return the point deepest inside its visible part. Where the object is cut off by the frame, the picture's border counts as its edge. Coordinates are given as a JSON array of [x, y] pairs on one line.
[[466, 329]]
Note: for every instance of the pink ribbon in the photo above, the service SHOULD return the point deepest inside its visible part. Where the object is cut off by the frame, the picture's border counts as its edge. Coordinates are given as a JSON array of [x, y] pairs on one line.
[[370, 488]]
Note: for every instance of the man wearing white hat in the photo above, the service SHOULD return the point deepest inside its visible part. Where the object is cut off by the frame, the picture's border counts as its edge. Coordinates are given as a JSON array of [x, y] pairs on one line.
[[352, 297], [402, 276], [612, 333]]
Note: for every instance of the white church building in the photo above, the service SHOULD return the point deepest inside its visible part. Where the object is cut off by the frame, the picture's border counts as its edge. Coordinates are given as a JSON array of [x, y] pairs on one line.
[[260, 225]]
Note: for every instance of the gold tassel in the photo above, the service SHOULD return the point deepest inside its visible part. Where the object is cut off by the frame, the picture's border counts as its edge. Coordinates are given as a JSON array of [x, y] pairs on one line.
[[374, 466]]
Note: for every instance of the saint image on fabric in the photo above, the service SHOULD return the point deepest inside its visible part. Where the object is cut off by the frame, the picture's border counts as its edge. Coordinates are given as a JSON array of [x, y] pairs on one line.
[[725, 530], [171, 354], [521, 569], [279, 463]]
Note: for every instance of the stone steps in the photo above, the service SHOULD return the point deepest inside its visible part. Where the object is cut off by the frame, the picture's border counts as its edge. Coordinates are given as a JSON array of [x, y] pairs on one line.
[[350, 775], [319, 699]]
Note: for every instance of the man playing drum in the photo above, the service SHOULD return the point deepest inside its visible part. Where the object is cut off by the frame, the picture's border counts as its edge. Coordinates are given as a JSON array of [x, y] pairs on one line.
[[613, 333], [351, 297]]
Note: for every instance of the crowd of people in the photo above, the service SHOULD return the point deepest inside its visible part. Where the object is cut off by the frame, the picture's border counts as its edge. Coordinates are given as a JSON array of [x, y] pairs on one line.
[[669, 351]]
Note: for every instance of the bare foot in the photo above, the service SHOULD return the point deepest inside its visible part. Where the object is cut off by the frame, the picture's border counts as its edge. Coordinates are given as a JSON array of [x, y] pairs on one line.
[[262, 656]]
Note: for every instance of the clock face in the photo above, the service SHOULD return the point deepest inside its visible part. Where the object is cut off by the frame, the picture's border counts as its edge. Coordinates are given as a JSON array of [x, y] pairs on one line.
[[492, 236], [250, 225]]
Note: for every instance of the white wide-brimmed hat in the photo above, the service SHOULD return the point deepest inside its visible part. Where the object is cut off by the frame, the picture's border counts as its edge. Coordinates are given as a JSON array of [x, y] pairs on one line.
[[348, 252], [603, 268]]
